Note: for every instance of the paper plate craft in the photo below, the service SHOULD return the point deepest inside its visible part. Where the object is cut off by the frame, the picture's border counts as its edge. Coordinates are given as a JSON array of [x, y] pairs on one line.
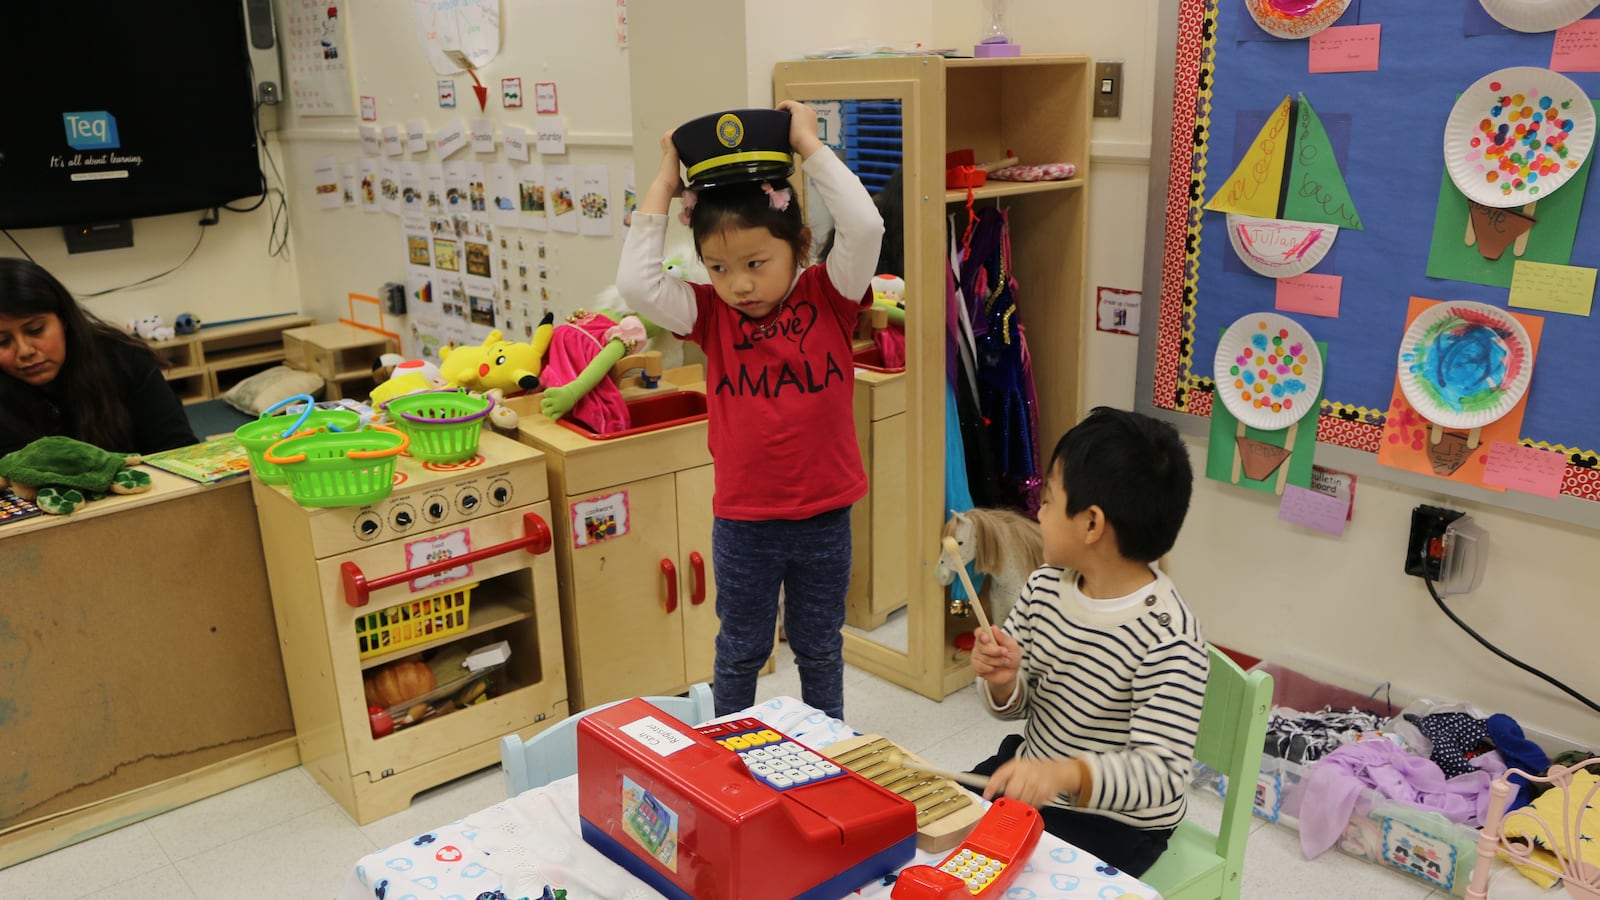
[[1268, 370], [1278, 248], [1516, 135], [1287, 199], [1464, 365], [1268, 374], [1295, 18], [1538, 15]]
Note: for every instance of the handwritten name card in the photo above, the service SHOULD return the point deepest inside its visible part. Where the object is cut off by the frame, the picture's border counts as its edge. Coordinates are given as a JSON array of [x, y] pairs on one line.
[[1316, 295], [1313, 509], [1577, 47], [1553, 288], [1526, 469], [1345, 48]]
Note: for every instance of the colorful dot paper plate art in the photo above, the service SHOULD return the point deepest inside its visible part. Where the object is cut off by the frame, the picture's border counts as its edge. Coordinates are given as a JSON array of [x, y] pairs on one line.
[[1268, 370], [1516, 135], [1295, 18], [1464, 364], [1538, 15]]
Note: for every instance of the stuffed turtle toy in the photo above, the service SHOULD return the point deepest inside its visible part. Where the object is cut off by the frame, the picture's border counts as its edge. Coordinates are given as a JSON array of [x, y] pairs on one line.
[[60, 474]]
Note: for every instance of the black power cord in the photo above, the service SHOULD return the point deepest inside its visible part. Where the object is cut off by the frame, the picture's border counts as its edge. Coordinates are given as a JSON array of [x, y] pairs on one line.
[[1492, 648]]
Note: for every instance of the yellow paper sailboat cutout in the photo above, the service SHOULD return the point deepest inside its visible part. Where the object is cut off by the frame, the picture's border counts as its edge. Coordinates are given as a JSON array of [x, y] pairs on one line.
[[1287, 199]]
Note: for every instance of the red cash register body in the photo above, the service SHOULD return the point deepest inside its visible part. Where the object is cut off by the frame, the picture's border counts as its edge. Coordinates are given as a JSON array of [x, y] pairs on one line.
[[697, 813]]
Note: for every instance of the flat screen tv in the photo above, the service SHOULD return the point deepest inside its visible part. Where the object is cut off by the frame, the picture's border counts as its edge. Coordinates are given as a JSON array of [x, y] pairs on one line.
[[119, 109]]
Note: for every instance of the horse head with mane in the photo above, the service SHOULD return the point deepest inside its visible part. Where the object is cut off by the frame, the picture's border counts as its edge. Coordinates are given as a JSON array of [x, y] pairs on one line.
[[1001, 543]]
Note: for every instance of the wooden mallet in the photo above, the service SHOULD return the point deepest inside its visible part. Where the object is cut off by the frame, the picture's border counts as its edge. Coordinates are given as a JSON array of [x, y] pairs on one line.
[[952, 552]]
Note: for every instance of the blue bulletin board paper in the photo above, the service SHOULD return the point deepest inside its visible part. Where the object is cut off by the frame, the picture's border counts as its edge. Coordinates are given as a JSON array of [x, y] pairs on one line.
[[1393, 167]]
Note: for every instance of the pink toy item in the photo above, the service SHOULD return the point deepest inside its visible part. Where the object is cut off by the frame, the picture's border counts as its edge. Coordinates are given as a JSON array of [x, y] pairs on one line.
[[574, 345], [1042, 172]]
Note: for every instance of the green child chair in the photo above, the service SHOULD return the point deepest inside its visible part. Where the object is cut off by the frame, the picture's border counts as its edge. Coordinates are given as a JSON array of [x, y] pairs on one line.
[[1197, 864]]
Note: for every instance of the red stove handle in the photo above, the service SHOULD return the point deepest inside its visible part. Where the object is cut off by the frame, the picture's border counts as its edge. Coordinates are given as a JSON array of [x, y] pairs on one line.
[[670, 573], [697, 565], [536, 539]]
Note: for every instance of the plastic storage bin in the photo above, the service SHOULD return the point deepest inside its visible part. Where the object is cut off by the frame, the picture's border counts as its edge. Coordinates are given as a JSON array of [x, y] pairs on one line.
[[414, 621], [1420, 843]]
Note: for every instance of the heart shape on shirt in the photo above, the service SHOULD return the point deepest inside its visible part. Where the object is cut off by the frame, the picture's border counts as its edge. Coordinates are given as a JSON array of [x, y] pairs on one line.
[[792, 323]]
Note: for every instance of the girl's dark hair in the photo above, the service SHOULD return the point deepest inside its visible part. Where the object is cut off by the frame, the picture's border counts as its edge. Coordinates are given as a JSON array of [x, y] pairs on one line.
[[747, 205], [87, 388]]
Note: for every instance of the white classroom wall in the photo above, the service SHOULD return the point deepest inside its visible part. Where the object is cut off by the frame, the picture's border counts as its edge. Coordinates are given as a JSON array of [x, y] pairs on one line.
[[1338, 604]]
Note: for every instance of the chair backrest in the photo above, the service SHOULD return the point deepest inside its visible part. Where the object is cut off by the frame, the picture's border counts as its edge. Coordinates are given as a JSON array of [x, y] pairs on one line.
[[1552, 838], [553, 752], [1233, 730]]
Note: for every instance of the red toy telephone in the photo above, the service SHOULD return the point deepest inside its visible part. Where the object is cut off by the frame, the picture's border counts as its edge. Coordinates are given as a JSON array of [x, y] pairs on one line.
[[986, 862]]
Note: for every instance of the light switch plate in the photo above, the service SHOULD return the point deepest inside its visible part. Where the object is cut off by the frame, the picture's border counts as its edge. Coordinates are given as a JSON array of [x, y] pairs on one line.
[[1108, 90]]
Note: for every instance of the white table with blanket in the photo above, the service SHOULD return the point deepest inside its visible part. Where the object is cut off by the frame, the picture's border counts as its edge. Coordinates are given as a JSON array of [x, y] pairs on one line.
[[521, 845]]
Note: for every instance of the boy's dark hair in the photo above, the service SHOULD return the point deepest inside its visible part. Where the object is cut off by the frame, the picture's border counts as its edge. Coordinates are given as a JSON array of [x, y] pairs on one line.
[[1136, 469], [748, 205]]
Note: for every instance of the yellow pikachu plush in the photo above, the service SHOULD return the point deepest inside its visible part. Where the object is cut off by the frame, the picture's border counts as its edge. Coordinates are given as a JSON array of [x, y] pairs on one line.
[[499, 364]]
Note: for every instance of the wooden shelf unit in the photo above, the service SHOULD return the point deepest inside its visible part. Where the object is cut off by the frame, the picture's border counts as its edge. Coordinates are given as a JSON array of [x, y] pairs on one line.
[[204, 365], [1039, 109], [341, 353]]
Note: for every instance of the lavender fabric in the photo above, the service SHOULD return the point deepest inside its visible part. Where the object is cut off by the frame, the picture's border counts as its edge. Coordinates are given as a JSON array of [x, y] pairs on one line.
[[1335, 783]]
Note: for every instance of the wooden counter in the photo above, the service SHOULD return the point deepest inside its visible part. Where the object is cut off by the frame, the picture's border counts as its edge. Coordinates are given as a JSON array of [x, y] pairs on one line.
[[139, 664]]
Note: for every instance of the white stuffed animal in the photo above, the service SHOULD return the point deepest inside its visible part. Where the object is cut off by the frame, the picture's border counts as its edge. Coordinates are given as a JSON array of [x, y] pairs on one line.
[[151, 328]]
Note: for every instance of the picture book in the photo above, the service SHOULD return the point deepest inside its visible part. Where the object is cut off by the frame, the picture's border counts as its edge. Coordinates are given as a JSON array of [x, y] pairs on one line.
[[206, 462], [14, 508]]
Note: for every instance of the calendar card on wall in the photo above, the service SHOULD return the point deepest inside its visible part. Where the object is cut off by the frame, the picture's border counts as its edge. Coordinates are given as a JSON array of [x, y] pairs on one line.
[[314, 58]]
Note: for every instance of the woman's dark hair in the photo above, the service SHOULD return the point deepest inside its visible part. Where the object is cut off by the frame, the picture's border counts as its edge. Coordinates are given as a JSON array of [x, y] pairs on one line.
[[86, 389], [748, 205], [890, 201]]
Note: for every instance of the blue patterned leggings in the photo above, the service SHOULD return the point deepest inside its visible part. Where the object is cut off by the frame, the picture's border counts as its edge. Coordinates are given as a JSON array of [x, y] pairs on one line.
[[810, 559]]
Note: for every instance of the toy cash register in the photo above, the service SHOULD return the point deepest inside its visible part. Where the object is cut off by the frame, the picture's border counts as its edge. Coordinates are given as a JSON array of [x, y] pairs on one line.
[[734, 811]]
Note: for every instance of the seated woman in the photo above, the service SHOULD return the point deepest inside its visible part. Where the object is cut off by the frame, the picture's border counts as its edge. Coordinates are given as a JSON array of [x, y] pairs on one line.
[[63, 371]]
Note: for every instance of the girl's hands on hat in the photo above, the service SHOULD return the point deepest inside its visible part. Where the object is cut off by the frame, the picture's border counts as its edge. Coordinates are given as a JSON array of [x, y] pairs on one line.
[[666, 185], [802, 128]]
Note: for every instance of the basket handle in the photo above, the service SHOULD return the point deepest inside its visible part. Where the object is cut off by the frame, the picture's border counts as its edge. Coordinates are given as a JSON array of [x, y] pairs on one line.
[[305, 414], [405, 441], [535, 539], [277, 460]]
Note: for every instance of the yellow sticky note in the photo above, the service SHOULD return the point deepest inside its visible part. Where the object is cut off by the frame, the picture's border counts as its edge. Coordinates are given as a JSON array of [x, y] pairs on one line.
[[1253, 188], [1561, 289]]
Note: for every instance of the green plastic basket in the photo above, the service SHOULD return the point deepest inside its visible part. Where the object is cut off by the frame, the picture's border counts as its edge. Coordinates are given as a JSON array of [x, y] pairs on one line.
[[444, 426], [333, 468], [257, 436]]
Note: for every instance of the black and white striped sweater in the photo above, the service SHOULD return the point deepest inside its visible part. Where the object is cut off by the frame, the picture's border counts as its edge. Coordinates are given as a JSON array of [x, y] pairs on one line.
[[1120, 689]]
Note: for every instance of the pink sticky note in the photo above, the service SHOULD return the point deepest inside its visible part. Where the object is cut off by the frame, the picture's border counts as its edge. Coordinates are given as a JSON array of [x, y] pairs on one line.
[[1347, 48], [1577, 47], [1313, 509], [1526, 469], [1316, 295]]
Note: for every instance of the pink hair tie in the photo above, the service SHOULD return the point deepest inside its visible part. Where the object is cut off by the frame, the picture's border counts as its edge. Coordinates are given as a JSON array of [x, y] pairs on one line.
[[690, 197], [778, 197]]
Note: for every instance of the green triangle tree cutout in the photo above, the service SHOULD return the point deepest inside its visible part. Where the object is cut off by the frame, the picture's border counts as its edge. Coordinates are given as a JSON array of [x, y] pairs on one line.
[[1316, 191]]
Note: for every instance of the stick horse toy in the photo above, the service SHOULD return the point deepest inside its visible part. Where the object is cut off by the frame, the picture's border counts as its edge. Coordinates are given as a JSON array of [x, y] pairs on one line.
[[1003, 544]]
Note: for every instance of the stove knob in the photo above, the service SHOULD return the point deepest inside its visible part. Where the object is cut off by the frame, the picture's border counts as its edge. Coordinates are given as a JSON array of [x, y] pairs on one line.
[[468, 502], [402, 520], [368, 525], [501, 494], [436, 510]]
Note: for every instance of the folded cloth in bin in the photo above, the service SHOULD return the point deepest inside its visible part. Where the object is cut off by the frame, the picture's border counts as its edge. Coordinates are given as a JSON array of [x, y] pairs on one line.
[[1334, 784]]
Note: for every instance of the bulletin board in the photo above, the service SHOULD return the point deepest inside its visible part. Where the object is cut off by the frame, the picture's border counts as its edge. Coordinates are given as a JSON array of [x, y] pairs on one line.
[[1386, 128]]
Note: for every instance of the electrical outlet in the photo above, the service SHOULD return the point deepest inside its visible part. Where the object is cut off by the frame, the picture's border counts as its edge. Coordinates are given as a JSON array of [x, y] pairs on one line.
[[1426, 542]]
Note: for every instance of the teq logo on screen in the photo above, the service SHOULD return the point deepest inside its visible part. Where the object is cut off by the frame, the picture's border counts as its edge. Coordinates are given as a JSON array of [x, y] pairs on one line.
[[91, 130]]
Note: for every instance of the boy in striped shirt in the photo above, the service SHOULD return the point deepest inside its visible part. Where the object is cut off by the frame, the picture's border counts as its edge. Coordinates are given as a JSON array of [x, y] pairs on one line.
[[1100, 655]]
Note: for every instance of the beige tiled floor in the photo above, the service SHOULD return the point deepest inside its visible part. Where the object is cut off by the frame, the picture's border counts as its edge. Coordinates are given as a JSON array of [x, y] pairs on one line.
[[282, 838]]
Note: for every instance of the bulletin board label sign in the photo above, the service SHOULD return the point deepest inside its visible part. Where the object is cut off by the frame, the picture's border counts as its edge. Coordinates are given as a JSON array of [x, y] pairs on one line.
[[599, 519], [440, 547]]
